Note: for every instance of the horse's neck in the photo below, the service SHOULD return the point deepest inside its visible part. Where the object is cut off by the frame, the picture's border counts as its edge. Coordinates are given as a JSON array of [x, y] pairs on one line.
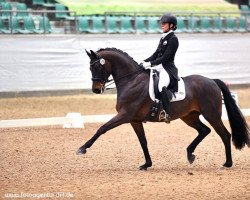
[[122, 67]]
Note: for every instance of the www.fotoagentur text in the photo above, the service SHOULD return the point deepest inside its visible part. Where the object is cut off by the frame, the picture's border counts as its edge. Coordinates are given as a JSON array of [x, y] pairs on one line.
[[39, 195]]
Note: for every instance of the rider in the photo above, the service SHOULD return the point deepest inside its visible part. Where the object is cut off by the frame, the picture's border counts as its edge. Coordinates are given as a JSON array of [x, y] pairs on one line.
[[163, 57]]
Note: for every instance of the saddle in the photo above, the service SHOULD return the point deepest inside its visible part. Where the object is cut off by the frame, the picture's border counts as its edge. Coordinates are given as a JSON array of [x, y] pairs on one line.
[[155, 94]]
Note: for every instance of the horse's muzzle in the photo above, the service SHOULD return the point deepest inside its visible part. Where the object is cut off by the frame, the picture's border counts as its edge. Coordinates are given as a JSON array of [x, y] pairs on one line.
[[98, 88], [97, 91]]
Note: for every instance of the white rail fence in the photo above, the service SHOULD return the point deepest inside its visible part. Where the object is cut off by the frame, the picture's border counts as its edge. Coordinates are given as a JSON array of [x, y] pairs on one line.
[[71, 120], [76, 120]]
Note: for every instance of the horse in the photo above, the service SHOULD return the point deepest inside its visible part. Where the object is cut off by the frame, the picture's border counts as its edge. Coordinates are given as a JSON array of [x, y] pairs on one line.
[[203, 97]]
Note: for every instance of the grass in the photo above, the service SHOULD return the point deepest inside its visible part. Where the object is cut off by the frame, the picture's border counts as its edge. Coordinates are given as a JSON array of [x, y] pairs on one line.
[[87, 7]]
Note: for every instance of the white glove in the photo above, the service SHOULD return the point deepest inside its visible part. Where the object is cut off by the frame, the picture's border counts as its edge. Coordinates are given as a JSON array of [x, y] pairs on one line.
[[146, 65], [141, 63]]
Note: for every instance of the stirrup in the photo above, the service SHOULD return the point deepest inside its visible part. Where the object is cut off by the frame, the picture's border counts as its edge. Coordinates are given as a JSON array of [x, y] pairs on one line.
[[164, 117]]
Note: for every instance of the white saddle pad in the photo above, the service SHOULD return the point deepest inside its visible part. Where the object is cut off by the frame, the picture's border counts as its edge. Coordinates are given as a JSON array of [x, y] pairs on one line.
[[179, 95]]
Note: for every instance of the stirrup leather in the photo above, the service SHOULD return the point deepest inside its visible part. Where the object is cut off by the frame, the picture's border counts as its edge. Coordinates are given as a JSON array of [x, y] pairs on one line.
[[164, 117]]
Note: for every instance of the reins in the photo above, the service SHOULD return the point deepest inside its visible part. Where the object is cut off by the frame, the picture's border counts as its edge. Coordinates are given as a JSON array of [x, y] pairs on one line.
[[121, 77]]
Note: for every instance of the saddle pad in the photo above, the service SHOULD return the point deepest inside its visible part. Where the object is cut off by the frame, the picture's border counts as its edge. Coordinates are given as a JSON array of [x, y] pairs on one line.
[[179, 95]]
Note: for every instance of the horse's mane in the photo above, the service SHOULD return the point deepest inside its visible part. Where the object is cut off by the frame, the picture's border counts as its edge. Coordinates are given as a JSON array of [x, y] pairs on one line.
[[117, 51]]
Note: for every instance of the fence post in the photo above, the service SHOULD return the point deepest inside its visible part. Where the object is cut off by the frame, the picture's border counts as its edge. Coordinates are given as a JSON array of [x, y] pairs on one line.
[[192, 24], [220, 22], [11, 22], [76, 24], [135, 20], [105, 23], [44, 25], [246, 23]]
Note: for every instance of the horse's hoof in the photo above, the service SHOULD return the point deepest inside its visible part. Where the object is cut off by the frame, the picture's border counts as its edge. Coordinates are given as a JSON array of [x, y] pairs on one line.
[[228, 164], [81, 150], [191, 158], [143, 168]]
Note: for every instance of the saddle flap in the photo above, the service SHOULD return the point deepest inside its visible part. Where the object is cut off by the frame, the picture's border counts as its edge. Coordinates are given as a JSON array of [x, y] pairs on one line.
[[154, 92], [181, 93]]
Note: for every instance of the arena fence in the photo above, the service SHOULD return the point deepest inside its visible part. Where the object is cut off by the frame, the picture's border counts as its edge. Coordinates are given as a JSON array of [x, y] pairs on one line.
[[63, 22], [37, 22], [188, 22], [76, 120], [72, 120]]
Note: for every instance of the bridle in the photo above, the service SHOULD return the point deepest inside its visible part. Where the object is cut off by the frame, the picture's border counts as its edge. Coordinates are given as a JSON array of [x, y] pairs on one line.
[[104, 79]]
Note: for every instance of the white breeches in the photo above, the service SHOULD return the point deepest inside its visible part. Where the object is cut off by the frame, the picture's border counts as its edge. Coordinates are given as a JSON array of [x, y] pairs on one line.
[[164, 79]]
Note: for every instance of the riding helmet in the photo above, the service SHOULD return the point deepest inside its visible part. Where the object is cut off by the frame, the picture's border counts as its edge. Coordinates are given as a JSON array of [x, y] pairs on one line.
[[168, 18]]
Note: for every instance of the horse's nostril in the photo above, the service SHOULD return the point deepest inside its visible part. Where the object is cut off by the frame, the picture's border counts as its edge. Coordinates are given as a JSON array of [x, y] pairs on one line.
[[97, 91]]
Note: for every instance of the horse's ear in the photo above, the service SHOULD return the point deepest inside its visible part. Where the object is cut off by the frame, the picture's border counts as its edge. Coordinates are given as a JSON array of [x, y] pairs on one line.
[[88, 53], [93, 54]]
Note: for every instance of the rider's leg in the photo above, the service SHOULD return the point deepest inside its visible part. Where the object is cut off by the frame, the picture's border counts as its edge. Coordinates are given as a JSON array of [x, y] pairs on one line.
[[164, 79], [166, 94]]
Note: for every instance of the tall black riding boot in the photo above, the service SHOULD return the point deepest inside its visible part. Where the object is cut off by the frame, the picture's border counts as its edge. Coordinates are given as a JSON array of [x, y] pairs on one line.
[[166, 96]]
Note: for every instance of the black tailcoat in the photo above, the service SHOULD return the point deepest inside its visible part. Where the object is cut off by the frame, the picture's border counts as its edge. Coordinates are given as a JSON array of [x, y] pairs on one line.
[[165, 54]]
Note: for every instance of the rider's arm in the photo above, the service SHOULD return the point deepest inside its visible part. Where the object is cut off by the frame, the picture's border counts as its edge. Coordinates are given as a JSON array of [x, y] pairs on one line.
[[154, 56], [151, 58], [169, 53]]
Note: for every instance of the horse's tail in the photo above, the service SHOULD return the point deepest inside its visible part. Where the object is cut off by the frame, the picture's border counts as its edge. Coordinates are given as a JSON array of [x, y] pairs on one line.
[[240, 129]]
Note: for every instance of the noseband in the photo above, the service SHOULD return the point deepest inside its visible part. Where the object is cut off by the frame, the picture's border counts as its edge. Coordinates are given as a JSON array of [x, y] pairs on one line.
[[102, 76]]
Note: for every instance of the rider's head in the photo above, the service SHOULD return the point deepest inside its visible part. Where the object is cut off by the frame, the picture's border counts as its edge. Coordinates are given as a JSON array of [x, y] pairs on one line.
[[168, 22]]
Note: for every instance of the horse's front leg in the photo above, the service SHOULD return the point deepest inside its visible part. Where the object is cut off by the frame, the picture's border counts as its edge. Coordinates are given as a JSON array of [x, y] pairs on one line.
[[139, 130], [119, 119]]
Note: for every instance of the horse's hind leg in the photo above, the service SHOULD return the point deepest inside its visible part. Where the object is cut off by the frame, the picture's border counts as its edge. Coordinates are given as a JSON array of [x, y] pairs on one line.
[[226, 138], [193, 121]]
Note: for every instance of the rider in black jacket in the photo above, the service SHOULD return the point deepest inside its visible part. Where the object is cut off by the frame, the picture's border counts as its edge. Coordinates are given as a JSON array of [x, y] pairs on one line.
[[164, 58]]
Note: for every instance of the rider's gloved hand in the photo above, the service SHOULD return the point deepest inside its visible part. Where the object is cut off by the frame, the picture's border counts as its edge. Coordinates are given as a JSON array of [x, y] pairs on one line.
[[141, 63], [146, 65]]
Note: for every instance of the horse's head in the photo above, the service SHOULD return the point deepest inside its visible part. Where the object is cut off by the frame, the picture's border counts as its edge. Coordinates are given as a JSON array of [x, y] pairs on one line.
[[100, 69]]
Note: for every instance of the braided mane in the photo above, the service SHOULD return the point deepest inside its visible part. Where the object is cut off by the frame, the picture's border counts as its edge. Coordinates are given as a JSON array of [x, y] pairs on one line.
[[117, 51]]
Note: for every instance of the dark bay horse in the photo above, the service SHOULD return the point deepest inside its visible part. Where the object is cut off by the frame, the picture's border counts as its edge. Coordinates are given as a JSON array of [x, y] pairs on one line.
[[203, 97]]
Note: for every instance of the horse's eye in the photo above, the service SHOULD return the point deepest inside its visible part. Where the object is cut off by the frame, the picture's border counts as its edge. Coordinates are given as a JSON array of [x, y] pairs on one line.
[[98, 67]]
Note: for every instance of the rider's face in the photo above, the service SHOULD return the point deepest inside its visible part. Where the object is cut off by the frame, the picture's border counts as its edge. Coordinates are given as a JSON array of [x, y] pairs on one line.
[[166, 27]]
